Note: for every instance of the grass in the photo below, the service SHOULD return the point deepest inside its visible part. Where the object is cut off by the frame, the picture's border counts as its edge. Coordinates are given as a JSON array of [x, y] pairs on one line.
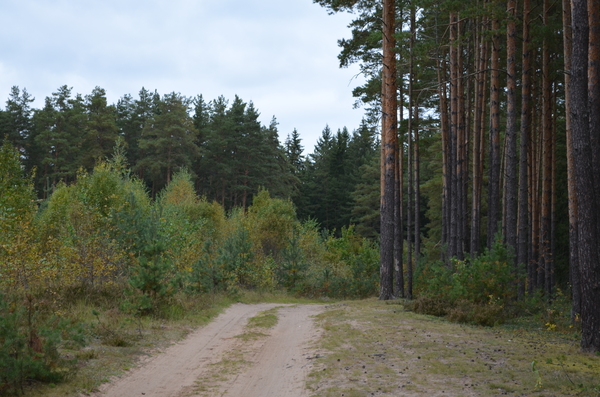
[[371, 347]]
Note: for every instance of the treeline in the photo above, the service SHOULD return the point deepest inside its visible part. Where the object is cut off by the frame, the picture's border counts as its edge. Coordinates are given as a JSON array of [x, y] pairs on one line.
[[228, 152]]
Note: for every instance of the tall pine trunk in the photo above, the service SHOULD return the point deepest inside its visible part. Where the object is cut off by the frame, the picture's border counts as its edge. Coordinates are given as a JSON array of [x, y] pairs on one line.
[[574, 277], [478, 142], [510, 168], [453, 231], [547, 263], [523, 215], [446, 178], [494, 162], [583, 167], [399, 213], [415, 108], [388, 147]]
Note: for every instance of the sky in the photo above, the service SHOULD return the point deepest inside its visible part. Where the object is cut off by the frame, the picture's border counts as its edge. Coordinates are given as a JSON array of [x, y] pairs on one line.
[[279, 54]]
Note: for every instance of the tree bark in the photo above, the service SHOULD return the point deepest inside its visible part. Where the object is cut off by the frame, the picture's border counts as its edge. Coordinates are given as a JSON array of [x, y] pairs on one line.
[[415, 108], [587, 201], [523, 215], [388, 147], [494, 162], [547, 261], [510, 169], [446, 178], [478, 143], [399, 212], [573, 249], [417, 189], [453, 139], [461, 151]]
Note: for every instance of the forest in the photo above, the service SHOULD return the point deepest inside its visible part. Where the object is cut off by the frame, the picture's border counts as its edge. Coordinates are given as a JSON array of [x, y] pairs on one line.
[[463, 190], [514, 90]]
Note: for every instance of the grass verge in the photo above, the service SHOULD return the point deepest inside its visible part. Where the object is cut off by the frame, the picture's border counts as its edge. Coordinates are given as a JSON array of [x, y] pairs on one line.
[[374, 348]]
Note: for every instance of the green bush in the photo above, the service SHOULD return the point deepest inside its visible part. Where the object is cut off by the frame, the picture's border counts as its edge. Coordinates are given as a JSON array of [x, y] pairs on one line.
[[349, 268], [270, 222], [291, 272], [472, 290], [236, 259], [29, 347]]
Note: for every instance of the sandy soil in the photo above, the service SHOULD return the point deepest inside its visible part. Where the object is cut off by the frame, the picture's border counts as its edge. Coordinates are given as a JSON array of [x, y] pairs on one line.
[[277, 364]]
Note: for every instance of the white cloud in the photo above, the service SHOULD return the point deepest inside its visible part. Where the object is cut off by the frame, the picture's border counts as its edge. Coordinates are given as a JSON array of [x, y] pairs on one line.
[[280, 54]]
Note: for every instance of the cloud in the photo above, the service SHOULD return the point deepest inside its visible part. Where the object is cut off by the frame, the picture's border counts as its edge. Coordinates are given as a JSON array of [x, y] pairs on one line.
[[280, 54]]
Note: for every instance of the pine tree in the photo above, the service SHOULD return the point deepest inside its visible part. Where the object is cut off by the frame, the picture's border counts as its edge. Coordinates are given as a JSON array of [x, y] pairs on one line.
[[57, 138], [101, 130], [15, 123], [168, 141]]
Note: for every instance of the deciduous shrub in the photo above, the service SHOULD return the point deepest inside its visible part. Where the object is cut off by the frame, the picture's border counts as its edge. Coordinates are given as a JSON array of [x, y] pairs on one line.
[[468, 290]]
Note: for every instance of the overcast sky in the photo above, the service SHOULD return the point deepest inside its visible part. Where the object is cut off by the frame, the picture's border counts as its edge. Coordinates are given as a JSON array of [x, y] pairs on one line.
[[279, 54]]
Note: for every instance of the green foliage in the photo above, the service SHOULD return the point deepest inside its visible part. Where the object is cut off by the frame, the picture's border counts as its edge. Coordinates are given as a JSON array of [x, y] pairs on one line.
[[204, 275], [291, 273], [17, 210], [78, 226], [29, 346], [477, 290], [17, 199], [240, 156], [270, 222], [236, 258], [104, 229], [168, 140], [349, 268]]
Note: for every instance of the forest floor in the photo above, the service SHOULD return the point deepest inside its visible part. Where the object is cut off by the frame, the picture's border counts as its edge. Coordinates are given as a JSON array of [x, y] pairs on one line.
[[353, 349]]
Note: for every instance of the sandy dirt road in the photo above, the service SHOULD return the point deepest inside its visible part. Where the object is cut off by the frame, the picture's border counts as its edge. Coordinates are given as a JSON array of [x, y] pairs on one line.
[[275, 364]]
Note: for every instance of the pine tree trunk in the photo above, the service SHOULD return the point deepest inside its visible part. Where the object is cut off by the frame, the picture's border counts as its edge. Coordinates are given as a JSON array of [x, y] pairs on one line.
[[587, 199], [388, 147], [398, 230], [510, 170], [453, 139], [415, 122], [461, 151], [399, 213], [444, 125], [417, 189], [478, 146], [546, 267], [494, 162], [523, 216], [409, 193], [574, 276]]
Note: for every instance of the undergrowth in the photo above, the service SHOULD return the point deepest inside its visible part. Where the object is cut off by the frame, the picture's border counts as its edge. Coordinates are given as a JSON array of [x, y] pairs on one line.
[[484, 291]]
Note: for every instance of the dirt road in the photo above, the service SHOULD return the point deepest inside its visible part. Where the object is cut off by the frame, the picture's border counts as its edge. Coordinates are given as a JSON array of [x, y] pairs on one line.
[[217, 360]]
